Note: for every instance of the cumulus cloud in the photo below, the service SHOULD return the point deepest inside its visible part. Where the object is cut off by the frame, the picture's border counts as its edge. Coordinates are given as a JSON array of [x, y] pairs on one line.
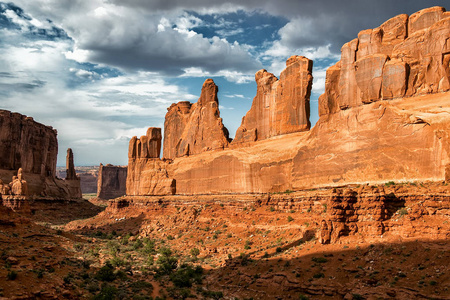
[[120, 36]]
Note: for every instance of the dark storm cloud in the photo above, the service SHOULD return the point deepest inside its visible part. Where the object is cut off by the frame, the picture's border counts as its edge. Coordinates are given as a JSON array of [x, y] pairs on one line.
[[146, 35], [329, 21]]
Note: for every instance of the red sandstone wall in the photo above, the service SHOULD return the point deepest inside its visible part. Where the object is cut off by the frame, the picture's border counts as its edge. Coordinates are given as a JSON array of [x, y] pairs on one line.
[[27, 144], [33, 147], [405, 56], [384, 116], [111, 181], [280, 106], [193, 129]]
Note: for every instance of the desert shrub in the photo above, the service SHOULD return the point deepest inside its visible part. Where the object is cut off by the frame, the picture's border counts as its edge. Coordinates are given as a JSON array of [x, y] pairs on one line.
[[179, 293], [319, 260], [138, 244], [12, 275], [247, 245], [106, 273], [195, 252], [125, 239], [319, 275], [107, 292], [166, 262], [245, 259], [290, 219], [186, 275], [389, 183], [402, 212], [117, 262], [138, 286], [212, 294], [149, 246]]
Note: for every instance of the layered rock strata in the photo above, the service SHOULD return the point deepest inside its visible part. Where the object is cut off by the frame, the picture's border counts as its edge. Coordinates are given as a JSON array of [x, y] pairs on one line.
[[33, 148], [194, 128], [112, 181], [147, 173], [404, 57], [365, 134], [27, 144], [280, 106]]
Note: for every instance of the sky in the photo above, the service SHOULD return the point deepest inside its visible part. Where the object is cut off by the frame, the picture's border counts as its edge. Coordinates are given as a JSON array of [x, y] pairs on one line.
[[103, 71]]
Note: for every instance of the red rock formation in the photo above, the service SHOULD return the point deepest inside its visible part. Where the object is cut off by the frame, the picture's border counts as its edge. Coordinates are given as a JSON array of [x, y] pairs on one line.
[[280, 106], [112, 181], [147, 174], [358, 138], [70, 167], [194, 128], [33, 147], [405, 56], [27, 144]]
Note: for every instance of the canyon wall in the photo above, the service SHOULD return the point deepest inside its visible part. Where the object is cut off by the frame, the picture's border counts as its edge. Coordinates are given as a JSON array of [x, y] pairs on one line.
[[27, 144], [112, 181], [33, 147], [194, 128], [404, 57], [384, 116], [280, 106], [147, 173]]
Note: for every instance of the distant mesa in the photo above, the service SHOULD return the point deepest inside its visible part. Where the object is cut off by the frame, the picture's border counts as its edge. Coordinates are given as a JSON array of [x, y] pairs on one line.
[[383, 116], [112, 182]]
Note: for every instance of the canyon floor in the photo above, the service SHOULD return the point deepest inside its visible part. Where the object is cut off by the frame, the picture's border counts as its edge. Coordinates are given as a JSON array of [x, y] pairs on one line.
[[261, 246]]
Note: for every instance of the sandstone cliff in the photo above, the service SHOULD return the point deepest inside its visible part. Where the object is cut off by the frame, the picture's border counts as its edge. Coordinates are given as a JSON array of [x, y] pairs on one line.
[[280, 106], [27, 144], [33, 147], [404, 57], [112, 181], [195, 128], [384, 117], [147, 174]]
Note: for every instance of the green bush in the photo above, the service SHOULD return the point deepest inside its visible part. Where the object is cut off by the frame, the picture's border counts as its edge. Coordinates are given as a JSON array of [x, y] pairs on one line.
[[106, 273], [319, 260], [212, 294], [186, 275], [195, 252], [106, 293], [166, 262], [12, 275], [149, 246], [290, 219], [138, 286]]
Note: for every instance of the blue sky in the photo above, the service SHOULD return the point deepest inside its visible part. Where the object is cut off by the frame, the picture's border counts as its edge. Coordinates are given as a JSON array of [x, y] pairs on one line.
[[102, 71]]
